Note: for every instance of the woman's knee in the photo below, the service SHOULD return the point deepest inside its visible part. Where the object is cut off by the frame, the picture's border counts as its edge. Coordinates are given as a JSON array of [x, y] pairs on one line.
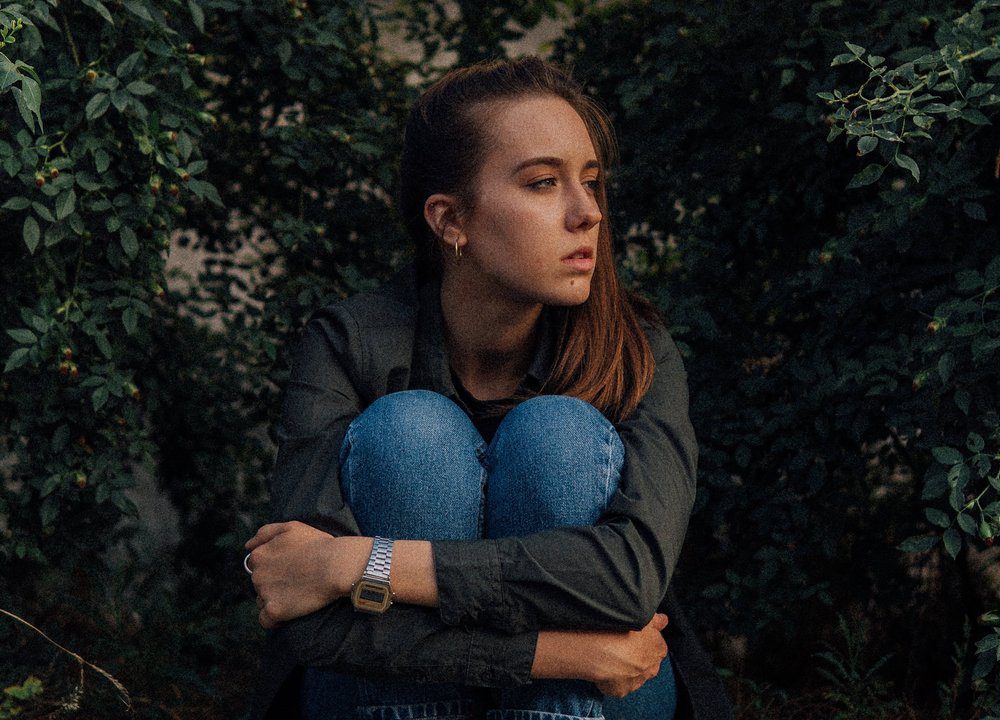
[[409, 468], [559, 428], [555, 460], [410, 416]]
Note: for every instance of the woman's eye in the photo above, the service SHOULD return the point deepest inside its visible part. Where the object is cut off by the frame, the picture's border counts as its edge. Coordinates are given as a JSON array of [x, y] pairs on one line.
[[595, 185], [538, 183]]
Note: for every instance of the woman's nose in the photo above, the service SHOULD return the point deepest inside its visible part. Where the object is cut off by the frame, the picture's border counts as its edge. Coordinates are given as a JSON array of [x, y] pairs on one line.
[[585, 212]]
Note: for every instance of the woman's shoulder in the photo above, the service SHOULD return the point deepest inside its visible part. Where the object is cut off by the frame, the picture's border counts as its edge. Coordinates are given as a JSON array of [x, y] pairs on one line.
[[392, 303]]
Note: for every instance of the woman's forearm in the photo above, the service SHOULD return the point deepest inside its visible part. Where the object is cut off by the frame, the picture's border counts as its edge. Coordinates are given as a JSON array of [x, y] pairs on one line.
[[617, 662]]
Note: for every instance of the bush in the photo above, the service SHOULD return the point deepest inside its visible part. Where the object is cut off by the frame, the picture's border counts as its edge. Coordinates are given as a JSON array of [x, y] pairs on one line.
[[838, 314]]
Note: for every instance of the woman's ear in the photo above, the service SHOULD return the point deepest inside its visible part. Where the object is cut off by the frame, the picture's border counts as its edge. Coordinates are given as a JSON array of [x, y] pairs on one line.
[[440, 212]]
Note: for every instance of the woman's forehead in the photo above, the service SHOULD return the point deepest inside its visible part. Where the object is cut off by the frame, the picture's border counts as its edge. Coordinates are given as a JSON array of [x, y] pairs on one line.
[[537, 127]]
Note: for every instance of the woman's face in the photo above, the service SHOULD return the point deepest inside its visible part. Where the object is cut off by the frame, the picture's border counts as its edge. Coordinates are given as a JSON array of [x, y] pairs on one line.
[[533, 232]]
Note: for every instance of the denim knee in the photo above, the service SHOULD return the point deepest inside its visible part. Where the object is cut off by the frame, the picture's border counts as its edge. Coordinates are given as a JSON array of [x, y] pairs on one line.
[[409, 468], [555, 460]]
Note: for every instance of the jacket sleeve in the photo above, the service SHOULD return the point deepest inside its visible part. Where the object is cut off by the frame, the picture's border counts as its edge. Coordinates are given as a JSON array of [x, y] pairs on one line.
[[408, 642], [609, 576]]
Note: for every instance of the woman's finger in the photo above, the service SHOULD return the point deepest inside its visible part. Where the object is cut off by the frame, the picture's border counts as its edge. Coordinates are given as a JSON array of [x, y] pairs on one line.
[[266, 532]]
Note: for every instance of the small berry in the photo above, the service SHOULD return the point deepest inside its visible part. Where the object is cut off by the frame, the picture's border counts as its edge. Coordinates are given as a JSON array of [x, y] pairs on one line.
[[185, 176], [80, 478], [989, 542], [173, 136], [119, 421], [54, 173], [174, 190], [64, 368], [321, 231], [74, 372], [933, 326], [90, 76], [67, 353], [825, 257], [39, 179], [189, 48]]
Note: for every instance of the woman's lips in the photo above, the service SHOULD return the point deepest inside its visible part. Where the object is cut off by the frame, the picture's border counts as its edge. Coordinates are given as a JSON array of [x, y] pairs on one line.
[[582, 260]]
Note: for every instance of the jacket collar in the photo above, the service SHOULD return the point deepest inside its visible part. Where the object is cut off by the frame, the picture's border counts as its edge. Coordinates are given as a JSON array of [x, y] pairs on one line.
[[430, 369]]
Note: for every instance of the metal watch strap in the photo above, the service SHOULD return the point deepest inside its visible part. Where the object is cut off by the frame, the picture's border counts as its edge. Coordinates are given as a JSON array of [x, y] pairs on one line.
[[378, 562]]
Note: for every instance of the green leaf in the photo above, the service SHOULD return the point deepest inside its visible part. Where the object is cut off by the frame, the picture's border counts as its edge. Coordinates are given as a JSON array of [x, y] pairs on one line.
[[101, 340], [97, 106], [974, 210], [978, 89], [843, 59], [867, 144], [49, 510], [952, 542], [284, 51], [140, 87], [918, 543], [184, 146], [99, 397], [856, 49], [908, 163], [976, 117], [32, 96], [130, 320], [966, 522], [937, 517], [51, 483], [99, 7], [43, 212], [22, 107], [974, 442], [962, 400], [23, 336], [17, 358], [31, 234], [866, 177], [945, 365], [126, 66], [65, 204], [197, 15], [16, 203], [139, 9], [130, 244], [967, 280], [947, 455], [101, 161]]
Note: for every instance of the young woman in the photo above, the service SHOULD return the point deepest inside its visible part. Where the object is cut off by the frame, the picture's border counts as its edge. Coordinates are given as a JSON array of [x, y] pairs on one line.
[[486, 467]]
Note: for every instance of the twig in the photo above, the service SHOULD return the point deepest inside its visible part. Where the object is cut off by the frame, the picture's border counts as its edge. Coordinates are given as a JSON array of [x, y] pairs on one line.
[[118, 686]]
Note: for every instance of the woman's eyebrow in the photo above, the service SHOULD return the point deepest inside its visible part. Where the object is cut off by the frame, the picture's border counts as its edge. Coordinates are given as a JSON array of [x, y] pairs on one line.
[[553, 161]]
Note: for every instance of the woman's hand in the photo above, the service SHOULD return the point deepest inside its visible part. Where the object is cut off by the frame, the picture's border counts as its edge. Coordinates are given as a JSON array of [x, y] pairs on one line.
[[617, 662], [298, 569], [627, 660]]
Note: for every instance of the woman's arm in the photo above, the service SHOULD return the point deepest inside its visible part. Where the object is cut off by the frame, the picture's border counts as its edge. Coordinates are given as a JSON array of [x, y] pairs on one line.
[[407, 642], [610, 576]]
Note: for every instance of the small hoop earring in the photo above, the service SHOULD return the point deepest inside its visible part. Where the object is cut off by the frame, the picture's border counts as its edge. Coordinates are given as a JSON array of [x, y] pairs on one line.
[[458, 250]]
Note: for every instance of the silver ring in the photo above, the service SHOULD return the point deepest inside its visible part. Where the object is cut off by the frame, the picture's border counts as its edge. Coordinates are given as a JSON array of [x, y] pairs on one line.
[[245, 566]]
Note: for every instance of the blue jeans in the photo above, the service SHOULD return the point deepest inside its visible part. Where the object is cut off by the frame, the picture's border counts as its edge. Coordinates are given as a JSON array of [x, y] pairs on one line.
[[413, 466]]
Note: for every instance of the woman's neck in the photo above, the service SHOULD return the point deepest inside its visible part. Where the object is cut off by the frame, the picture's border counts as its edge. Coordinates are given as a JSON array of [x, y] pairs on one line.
[[490, 339]]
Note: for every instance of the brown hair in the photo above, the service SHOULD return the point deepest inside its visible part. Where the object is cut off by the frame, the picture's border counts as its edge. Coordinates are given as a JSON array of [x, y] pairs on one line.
[[603, 356]]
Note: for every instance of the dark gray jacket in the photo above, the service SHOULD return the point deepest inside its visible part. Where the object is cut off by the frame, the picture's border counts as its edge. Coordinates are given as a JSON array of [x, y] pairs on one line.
[[495, 594]]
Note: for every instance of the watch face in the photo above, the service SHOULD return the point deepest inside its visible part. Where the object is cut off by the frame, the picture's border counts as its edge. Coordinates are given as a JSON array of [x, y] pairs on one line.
[[374, 596]]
